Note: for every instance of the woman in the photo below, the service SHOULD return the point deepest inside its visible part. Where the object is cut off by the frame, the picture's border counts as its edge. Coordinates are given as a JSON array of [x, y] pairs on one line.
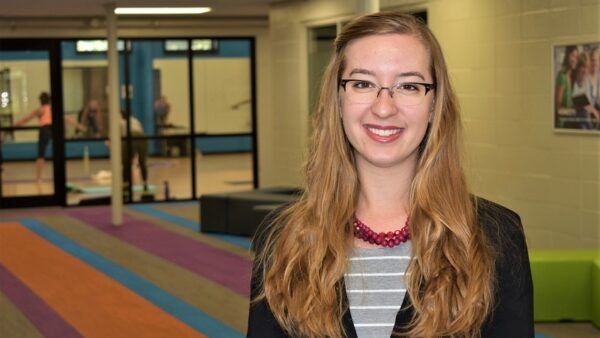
[[162, 113], [586, 116], [386, 238], [91, 116], [564, 84], [594, 71], [139, 147], [44, 115]]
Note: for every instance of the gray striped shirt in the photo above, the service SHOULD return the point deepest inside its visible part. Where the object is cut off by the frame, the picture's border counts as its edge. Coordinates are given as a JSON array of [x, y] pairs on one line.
[[375, 288]]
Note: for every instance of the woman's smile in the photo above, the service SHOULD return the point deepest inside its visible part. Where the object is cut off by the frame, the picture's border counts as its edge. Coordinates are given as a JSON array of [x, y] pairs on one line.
[[383, 134]]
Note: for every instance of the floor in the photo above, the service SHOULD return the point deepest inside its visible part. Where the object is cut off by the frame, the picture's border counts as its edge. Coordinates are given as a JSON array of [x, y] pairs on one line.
[[67, 272], [567, 330]]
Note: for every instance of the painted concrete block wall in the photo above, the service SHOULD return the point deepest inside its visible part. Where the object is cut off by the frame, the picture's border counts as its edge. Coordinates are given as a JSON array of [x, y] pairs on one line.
[[288, 24], [499, 56]]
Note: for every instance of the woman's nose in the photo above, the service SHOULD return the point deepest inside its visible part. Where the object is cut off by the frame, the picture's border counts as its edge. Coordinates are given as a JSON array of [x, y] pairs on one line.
[[384, 105]]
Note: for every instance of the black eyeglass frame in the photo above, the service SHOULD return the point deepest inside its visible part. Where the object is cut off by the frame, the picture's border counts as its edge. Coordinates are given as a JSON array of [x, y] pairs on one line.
[[428, 86]]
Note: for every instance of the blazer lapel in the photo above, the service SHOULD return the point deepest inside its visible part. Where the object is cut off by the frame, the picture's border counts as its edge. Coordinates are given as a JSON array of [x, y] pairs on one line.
[[404, 315], [347, 318]]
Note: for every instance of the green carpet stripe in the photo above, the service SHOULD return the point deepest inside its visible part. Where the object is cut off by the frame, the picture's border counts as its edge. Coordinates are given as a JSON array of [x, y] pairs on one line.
[[189, 211], [13, 323], [194, 235], [242, 242]]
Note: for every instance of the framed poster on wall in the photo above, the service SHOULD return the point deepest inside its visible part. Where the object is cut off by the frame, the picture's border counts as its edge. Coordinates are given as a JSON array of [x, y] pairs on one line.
[[576, 85]]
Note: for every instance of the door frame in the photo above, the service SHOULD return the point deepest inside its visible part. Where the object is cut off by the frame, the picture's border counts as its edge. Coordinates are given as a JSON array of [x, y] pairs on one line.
[[52, 46]]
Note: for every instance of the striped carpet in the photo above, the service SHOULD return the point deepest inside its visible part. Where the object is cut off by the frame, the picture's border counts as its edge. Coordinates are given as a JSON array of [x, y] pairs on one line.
[[69, 273]]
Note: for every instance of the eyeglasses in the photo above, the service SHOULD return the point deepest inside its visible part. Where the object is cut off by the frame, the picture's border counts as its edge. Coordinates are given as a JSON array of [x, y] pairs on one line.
[[406, 94]]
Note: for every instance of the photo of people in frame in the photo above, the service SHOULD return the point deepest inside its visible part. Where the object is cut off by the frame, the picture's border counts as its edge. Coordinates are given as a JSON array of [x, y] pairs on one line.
[[576, 71]]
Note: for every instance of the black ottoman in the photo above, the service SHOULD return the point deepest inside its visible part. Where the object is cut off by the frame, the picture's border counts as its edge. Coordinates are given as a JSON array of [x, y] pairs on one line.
[[240, 213]]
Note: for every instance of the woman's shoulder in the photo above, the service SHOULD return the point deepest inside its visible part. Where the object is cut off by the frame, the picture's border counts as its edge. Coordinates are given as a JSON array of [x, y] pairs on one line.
[[489, 211], [512, 314], [501, 224], [561, 76], [45, 109], [502, 227]]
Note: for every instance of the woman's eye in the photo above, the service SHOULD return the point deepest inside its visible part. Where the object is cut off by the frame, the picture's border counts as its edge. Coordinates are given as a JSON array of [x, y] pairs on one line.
[[409, 87], [362, 84]]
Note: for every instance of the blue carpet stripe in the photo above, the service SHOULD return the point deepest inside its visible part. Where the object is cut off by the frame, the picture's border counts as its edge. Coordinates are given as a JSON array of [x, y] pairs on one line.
[[179, 309], [165, 216]]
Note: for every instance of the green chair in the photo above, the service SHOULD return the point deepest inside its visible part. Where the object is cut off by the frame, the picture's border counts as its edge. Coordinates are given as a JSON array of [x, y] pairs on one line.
[[566, 285], [596, 293]]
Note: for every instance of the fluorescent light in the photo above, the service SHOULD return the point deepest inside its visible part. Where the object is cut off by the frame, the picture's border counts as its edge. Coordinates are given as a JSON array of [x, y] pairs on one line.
[[161, 10]]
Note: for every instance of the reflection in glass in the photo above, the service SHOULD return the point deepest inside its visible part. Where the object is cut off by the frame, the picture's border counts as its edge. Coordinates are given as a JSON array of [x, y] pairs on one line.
[[168, 109], [85, 99]]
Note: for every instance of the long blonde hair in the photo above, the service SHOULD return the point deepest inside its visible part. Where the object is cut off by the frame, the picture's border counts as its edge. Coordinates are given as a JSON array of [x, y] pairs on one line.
[[304, 252]]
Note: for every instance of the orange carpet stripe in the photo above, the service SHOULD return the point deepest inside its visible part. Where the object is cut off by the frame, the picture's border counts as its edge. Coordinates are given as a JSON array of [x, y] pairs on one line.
[[93, 303]]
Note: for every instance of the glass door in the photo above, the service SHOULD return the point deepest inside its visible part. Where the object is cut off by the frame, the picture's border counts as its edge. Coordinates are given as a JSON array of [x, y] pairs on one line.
[[84, 68], [158, 153], [224, 118], [31, 124]]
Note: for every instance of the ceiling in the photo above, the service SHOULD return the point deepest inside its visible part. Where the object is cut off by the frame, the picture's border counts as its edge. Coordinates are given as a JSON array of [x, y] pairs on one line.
[[16, 9]]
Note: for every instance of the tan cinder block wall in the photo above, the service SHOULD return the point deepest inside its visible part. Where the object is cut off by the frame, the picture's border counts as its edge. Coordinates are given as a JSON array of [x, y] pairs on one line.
[[288, 24], [499, 53], [499, 56]]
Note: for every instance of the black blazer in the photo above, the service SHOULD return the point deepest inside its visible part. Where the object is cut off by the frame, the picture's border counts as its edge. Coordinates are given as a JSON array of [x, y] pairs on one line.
[[512, 315]]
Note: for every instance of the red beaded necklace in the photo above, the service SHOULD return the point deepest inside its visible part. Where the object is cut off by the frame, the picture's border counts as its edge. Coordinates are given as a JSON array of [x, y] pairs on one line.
[[390, 239]]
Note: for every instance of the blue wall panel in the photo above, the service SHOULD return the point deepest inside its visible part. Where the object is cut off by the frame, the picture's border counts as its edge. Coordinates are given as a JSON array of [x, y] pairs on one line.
[[207, 145], [224, 144], [28, 150]]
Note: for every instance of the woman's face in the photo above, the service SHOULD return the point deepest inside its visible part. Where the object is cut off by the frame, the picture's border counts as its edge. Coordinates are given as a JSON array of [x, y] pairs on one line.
[[93, 104], [595, 62], [386, 132], [573, 59]]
